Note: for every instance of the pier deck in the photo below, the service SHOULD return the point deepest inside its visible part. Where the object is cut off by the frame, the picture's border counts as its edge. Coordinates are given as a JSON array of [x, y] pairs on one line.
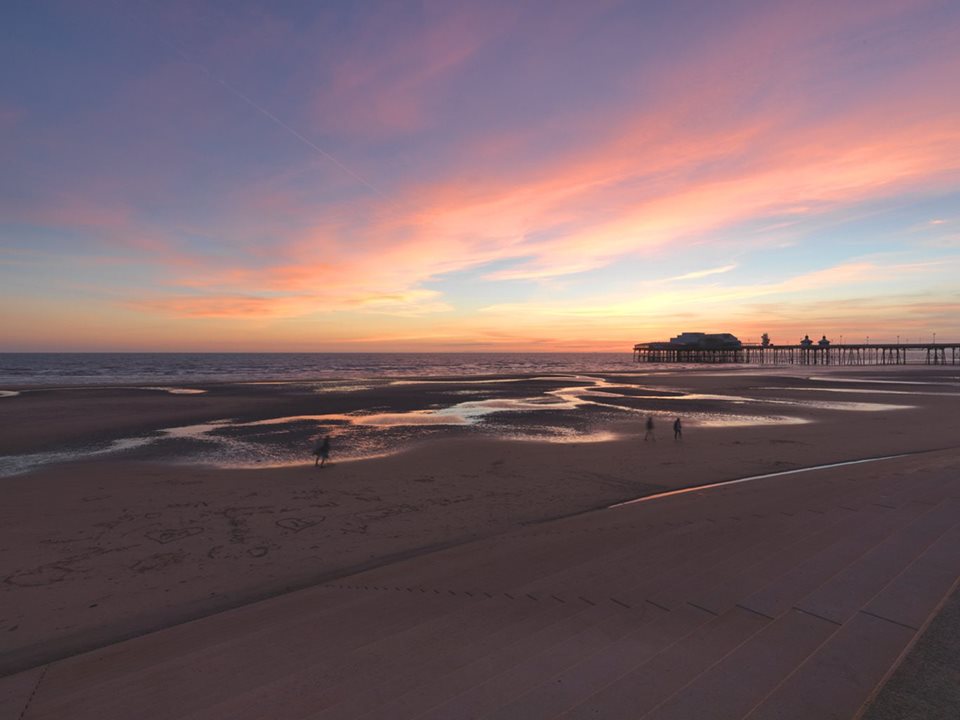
[[860, 354]]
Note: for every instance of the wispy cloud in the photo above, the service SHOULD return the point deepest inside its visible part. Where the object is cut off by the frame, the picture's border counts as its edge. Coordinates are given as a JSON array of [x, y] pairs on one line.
[[412, 303], [716, 302], [703, 273]]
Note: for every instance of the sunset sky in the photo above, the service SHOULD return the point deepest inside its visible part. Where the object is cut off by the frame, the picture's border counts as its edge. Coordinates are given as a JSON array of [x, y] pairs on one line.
[[374, 176]]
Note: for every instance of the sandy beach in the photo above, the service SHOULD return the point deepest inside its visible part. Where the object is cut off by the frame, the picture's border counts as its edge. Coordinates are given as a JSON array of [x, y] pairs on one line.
[[112, 547]]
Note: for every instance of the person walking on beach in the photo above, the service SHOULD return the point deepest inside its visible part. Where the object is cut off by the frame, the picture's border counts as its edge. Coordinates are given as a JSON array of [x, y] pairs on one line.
[[677, 430], [649, 434], [322, 452]]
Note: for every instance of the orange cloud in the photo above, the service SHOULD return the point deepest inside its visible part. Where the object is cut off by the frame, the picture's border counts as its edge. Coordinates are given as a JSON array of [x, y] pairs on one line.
[[549, 223], [411, 303]]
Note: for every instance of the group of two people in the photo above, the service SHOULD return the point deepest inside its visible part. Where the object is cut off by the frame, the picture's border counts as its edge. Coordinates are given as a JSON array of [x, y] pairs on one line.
[[677, 430]]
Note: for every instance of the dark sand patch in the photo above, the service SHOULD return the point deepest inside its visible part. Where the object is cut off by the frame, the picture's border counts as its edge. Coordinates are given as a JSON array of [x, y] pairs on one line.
[[927, 683]]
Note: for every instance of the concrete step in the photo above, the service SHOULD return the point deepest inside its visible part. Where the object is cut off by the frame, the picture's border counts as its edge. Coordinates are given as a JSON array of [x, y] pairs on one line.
[[598, 619], [735, 684], [849, 516], [842, 595], [840, 676], [448, 671], [739, 586], [658, 563], [723, 551], [381, 670], [592, 672], [230, 666], [607, 621], [504, 687], [788, 589], [650, 683], [428, 692], [767, 545], [913, 595], [175, 643]]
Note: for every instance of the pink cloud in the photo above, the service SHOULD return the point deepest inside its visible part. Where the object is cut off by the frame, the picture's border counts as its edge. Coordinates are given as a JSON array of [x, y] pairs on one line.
[[10, 117], [113, 232], [389, 82], [412, 303], [456, 226]]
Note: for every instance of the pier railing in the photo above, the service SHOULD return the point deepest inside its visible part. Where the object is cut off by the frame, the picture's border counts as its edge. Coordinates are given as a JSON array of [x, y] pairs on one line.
[[866, 354]]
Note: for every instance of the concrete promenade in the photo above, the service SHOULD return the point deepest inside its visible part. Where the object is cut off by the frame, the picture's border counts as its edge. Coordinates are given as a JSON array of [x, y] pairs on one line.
[[790, 597]]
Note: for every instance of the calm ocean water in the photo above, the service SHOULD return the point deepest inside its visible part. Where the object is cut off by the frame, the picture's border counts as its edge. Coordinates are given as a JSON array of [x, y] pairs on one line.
[[32, 369]]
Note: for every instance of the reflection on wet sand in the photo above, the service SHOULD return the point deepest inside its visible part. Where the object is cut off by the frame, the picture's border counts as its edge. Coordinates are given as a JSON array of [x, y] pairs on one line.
[[170, 390], [580, 411], [176, 390], [861, 391], [874, 381], [720, 421], [842, 406], [18, 464], [751, 478], [565, 435], [608, 390]]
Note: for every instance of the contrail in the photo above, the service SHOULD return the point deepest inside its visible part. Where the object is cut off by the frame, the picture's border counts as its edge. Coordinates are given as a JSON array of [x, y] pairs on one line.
[[274, 119]]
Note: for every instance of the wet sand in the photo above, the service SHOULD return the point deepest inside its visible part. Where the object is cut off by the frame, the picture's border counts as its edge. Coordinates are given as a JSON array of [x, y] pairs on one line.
[[114, 547]]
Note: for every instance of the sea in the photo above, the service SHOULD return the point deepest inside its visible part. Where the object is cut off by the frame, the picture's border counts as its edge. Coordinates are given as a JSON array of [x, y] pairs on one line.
[[21, 370]]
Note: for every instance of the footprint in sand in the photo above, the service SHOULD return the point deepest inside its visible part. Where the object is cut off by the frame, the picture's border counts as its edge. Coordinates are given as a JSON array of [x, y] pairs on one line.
[[330, 504], [158, 562], [38, 577], [384, 513], [352, 529], [297, 524], [224, 552], [167, 536]]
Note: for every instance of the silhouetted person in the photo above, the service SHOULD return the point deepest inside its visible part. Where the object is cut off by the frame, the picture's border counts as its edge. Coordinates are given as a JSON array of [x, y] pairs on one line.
[[677, 429], [322, 452], [649, 434]]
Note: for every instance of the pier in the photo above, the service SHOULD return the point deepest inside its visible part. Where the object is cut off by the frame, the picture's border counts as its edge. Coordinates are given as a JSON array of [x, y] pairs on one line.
[[846, 354]]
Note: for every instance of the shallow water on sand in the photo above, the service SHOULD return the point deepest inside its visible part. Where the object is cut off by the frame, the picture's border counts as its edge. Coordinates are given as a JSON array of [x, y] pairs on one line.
[[564, 408]]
